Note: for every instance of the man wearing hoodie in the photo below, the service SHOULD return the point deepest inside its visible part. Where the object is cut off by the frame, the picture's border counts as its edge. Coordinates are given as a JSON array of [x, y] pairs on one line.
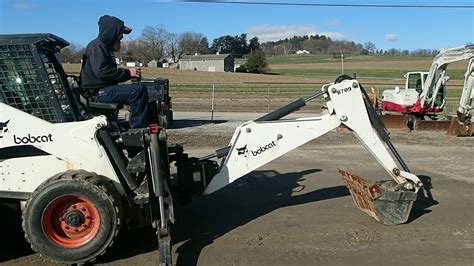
[[100, 74]]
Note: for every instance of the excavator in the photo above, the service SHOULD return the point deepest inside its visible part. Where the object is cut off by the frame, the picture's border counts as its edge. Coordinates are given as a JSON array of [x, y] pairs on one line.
[[78, 176], [424, 96]]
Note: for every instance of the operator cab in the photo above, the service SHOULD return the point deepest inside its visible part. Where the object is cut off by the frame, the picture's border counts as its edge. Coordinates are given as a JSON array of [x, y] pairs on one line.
[[33, 80], [415, 80]]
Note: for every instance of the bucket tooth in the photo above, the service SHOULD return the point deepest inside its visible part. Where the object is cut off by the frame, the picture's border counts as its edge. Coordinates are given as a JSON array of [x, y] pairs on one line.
[[386, 201]]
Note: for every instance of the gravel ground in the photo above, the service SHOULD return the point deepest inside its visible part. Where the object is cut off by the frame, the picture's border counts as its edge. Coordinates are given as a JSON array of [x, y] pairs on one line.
[[296, 210]]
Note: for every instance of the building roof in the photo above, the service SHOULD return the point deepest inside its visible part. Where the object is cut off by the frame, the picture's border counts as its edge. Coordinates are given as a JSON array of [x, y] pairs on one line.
[[205, 57]]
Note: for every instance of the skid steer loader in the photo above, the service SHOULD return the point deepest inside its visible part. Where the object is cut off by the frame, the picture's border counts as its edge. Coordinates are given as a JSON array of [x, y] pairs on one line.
[[78, 176]]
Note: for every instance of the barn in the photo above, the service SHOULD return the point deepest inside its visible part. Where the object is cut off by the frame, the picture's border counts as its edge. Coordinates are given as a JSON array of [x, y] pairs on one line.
[[210, 63]]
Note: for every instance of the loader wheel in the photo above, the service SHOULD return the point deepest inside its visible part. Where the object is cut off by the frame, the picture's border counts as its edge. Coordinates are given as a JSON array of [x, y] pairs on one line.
[[72, 218]]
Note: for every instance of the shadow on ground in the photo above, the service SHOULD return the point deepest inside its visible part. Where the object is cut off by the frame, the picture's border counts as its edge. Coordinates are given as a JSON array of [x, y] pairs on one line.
[[424, 201], [253, 196], [184, 123], [212, 216], [13, 244]]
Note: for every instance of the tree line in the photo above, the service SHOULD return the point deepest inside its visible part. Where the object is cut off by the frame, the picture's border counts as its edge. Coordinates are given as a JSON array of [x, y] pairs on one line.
[[156, 43]]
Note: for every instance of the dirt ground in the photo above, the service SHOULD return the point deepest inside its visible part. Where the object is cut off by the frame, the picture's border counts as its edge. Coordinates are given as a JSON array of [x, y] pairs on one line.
[[297, 211]]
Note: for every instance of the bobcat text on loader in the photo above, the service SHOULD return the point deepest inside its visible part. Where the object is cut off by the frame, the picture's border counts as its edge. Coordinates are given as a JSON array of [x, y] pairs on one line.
[[78, 176]]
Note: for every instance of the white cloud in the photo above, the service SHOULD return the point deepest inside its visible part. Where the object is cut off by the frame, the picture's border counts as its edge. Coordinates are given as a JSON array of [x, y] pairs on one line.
[[24, 6], [267, 33], [392, 37], [334, 23], [337, 36]]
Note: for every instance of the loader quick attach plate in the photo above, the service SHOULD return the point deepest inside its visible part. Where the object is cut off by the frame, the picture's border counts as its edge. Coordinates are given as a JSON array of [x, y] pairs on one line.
[[385, 201]]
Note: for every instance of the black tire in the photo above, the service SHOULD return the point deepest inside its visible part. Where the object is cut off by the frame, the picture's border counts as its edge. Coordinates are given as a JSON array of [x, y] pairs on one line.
[[98, 224]]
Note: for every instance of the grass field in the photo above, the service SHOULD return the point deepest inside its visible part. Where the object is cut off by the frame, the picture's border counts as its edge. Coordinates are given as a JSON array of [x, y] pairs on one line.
[[291, 77]]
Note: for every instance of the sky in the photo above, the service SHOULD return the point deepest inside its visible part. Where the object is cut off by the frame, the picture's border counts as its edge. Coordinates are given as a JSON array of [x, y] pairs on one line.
[[401, 28]]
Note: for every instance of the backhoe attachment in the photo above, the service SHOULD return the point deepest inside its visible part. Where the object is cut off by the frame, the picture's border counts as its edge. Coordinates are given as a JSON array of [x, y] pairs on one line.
[[262, 140]]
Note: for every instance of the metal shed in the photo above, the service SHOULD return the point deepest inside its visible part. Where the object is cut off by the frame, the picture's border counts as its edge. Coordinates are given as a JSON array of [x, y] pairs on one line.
[[210, 63]]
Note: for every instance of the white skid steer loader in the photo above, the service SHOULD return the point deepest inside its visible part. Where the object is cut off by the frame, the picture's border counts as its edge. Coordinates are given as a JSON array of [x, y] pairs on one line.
[[79, 176]]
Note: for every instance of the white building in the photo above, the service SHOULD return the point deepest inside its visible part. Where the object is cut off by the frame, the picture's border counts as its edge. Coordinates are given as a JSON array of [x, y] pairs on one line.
[[302, 52]]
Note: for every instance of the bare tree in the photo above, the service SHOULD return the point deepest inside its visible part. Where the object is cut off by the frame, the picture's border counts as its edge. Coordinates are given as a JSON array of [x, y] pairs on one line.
[[72, 53], [190, 42], [174, 48], [133, 50], [370, 46], [154, 40], [286, 47]]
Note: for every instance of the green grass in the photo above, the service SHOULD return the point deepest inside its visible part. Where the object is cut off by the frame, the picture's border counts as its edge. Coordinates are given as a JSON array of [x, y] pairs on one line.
[[362, 73], [328, 58]]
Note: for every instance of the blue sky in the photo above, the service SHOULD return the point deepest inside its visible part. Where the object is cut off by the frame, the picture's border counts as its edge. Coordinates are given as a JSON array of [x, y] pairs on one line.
[[402, 28]]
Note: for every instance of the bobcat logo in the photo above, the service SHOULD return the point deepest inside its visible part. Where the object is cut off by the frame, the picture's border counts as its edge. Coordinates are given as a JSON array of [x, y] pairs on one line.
[[3, 127], [242, 151]]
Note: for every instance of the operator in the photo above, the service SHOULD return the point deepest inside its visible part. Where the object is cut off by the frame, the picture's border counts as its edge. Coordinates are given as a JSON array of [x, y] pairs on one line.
[[100, 74]]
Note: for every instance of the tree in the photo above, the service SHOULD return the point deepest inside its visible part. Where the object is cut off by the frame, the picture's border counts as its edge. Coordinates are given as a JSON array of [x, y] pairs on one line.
[[203, 47], [154, 40], [192, 42], [256, 62], [370, 47], [72, 54], [133, 50], [286, 47], [253, 44], [174, 48], [224, 44], [236, 45]]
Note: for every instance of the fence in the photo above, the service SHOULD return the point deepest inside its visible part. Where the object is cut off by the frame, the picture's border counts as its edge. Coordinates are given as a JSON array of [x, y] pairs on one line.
[[264, 97]]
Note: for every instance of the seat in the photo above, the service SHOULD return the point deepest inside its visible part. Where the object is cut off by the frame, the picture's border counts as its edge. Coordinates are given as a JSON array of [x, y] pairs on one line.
[[91, 107]]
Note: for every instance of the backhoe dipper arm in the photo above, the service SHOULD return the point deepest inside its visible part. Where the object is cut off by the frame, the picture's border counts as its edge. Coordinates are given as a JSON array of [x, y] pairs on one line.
[[258, 142]]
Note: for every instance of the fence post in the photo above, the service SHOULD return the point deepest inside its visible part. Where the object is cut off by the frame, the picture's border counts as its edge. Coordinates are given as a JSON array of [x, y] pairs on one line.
[[212, 100], [268, 97]]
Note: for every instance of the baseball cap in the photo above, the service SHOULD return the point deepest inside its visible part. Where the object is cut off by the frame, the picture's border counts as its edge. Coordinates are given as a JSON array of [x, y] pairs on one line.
[[126, 30]]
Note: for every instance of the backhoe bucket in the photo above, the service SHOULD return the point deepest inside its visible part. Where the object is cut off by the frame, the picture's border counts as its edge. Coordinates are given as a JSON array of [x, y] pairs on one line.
[[430, 125], [386, 201], [395, 122], [460, 130]]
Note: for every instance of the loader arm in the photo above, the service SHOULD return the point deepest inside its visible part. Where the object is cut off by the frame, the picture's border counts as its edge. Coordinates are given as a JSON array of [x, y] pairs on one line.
[[258, 142]]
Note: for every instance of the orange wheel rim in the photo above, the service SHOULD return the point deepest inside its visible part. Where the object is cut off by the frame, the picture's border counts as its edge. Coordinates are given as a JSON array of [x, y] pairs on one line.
[[71, 221]]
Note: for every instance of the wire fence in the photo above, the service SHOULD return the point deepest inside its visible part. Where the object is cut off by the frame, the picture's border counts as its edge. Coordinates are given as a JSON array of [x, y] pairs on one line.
[[265, 97]]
